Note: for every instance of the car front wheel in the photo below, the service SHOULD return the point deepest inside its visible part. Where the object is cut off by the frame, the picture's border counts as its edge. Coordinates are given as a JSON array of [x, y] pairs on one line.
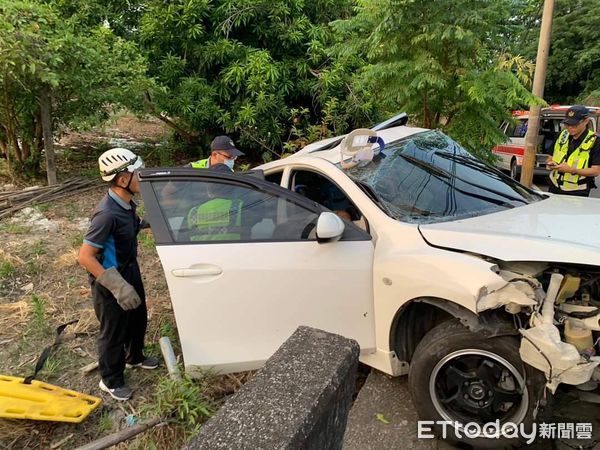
[[469, 382]]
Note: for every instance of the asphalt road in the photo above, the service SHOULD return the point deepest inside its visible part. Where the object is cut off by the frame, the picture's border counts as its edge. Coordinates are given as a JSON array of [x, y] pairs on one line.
[[384, 418]]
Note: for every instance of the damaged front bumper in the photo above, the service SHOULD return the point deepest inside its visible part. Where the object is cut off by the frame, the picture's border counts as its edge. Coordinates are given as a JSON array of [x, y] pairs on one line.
[[543, 346]]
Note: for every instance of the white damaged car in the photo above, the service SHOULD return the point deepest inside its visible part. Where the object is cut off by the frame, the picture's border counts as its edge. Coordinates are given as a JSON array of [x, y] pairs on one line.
[[484, 292]]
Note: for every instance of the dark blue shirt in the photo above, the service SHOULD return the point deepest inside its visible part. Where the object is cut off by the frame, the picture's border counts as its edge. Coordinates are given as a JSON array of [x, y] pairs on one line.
[[113, 229]]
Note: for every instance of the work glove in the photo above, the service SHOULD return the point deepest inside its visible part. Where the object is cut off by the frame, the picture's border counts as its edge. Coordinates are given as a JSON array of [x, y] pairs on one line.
[[126, 296]]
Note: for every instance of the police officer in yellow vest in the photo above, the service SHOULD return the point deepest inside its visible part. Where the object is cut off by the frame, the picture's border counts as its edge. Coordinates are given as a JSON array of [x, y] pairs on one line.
[[217, 218], [223, 151], [576, 158]]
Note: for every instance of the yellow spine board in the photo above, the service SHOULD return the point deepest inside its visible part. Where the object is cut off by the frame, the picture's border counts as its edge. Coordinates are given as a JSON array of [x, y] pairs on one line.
[[43, 401]]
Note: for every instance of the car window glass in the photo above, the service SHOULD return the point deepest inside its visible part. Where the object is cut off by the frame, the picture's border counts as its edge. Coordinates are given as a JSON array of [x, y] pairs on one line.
[[324, 191], [520, 129], [428, 178], [275, 177], [202, 211], [510, 129]]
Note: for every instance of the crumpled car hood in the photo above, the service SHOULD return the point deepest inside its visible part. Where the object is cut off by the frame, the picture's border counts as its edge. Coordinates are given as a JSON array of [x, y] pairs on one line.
[[557, 229]]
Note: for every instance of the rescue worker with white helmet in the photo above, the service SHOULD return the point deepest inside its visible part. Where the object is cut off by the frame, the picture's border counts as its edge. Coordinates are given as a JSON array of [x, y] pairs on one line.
[[109, 254], [576, 158]]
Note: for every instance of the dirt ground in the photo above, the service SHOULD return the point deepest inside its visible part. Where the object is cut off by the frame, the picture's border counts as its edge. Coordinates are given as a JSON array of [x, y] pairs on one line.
[[41, 287]]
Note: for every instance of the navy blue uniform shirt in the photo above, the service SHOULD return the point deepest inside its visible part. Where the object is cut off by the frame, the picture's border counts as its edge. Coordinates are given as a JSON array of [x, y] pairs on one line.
[[113, 229]]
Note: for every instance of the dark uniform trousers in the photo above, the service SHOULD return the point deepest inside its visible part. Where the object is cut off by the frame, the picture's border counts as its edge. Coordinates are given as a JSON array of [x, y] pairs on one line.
[[122, 332]]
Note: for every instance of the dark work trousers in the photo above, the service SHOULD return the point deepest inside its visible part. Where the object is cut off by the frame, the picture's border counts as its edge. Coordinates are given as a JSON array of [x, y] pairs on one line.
[[554, 190], [122, 332]]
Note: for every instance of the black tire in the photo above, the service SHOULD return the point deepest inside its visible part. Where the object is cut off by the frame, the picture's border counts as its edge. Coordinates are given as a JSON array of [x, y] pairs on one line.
[[463, 377], [515, 170]]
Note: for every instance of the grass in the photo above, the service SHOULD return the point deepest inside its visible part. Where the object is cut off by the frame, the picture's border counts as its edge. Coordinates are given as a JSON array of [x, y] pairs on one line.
[[53, 367], [42, 207], [184, 404], [167, 329], [77, 240], [38, 311], [71, 282], [105, 423], [7, 269], [33, 267], [15, 228], [146, 240], [38, 248]]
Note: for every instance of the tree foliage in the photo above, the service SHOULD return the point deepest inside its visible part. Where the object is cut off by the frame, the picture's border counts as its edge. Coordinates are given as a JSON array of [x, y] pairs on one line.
[[448, 65], [574, 62], [279, 73], [256, 68], [87, 70]]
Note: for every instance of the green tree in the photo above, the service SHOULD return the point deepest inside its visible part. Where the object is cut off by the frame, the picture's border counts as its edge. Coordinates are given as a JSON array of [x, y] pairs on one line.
[[82, 71], [259, 69], [447, 63], [574, 62]]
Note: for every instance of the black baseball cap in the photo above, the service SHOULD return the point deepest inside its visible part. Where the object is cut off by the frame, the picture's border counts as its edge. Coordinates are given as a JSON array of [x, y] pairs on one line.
[[225, 144], [576, 114]]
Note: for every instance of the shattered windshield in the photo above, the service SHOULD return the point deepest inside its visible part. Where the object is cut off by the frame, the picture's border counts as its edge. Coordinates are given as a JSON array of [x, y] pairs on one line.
[[428, 178]]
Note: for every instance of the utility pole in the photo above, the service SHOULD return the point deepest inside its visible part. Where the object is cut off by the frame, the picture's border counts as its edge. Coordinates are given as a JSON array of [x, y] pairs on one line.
[[539, 79]]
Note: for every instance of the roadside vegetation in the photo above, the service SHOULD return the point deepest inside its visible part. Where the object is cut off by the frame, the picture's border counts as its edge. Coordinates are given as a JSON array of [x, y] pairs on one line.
[[276, 75], [42, 287]]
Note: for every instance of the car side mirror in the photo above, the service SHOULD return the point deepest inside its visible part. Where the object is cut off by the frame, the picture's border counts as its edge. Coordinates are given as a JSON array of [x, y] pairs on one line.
[[329, 227]]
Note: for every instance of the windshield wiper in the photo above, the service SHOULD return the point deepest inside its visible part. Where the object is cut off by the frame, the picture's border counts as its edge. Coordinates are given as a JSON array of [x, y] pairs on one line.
[[480, 166], [469, 160], [426, 166], [444, 176]]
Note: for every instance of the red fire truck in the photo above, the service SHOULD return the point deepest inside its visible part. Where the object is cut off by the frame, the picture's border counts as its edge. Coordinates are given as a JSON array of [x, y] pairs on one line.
[[510, 154]]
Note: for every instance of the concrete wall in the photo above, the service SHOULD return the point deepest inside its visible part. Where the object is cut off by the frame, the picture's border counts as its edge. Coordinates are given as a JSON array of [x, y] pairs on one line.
[[299, 400]]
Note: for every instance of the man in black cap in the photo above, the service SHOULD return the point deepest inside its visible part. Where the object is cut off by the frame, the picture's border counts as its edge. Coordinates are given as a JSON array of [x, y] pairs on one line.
[[223, 151], [576, 158]]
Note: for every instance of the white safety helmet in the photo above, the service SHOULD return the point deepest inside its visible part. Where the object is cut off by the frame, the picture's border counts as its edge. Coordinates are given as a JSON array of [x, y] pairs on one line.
[[116, 160], [359, 145]]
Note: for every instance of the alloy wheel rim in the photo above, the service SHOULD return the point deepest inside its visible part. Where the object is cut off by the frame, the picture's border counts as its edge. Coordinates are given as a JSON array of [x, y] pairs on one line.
[[473, 385]]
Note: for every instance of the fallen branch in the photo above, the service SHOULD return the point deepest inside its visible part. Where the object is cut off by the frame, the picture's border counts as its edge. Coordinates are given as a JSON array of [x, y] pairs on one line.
[[61, 442], [89, 367], [21, 200], [120, 436]]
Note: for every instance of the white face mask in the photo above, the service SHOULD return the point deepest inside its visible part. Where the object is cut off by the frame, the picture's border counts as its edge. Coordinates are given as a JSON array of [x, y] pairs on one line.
[[229, 163]]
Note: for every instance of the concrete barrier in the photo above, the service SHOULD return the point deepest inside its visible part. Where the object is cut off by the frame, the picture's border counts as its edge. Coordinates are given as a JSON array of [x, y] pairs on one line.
[[299, 400]]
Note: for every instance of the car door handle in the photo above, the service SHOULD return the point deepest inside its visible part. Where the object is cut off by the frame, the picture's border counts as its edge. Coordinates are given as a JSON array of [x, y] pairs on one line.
[[192, 272]]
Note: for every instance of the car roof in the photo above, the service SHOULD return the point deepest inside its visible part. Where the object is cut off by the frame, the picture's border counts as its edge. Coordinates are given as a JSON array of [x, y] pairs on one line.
[[333, 154]]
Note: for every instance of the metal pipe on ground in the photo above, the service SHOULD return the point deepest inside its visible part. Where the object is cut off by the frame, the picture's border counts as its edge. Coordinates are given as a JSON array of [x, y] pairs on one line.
[[169, 357]]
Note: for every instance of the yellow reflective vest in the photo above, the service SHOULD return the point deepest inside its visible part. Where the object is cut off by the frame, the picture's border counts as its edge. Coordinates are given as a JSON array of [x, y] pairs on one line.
[[579, 158], [200, 164], [219, 219]]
